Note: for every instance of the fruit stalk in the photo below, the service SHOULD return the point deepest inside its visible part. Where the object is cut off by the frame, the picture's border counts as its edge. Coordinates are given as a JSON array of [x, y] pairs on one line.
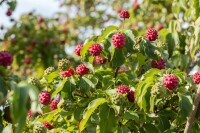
[[190, 120]]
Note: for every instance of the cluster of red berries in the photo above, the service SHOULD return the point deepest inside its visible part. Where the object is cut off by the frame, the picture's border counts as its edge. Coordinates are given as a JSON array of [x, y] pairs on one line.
[[82, 70], [67, 73], [160, 63], [95, 49], [100, 60], [118, 40], [78, 48], [47, 125], [151, 35], [54, 104], [30, 114], [27, 60], [170, 81], [45, 99], [6, 58], [124, 14], [9, 13], [196, 78], [123, 89]]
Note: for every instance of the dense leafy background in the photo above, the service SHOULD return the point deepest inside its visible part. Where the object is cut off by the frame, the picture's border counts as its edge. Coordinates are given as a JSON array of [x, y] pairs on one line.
[[86, 102]]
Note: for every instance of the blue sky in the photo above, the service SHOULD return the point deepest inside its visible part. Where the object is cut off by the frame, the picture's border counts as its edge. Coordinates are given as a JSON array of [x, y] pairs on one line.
[[46, 8]]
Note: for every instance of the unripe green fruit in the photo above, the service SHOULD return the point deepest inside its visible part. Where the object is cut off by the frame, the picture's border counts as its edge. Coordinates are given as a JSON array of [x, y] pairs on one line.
[[49, 70], [39, 129], [35, 82], [118, 99], [68, 105], [63, 64]]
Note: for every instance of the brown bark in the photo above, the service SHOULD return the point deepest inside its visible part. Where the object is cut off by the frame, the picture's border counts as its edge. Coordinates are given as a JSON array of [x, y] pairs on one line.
[[190, 120]]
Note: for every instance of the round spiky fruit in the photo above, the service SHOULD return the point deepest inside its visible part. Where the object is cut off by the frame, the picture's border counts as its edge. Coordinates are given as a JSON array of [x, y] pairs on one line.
[[54, 104], [49, 70], [199, 117], [118, 40], [160, 63], [6, 58], [130, 96], [9, 13], [196, 78], [13, 41], [136, 5], [118, 10], [124, 14], [27, 60], [63, 64], [46, 42], [123, 89], [77, 49], [29, 49], [33, 42], [159, 26], [40, 19], [82, 70], [68, 105], [47, 125], [67, 73], [170, 81], [44, 97], [118, 99], [95, 49], [35, 82], [30, 114], [150, 25], [100, 60], [122, 70], [39, 128], [151, 35]]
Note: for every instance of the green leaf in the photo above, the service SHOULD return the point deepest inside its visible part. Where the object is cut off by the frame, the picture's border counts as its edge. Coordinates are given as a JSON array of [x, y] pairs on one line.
[[170, 43], [185, 105], [107, 114], [52, 76], [106, 32], [3, 71], [196, 8], [12, 4], [68, 88], [195, 39], [3, 87], [150, 73], [88, 112], [150, 50], [174, 26], [92, 82], [143, 92], [118, 58], [107, 81], [163, 123], [20, 99], [122, 130], [129, 40], [130, 115], [59, 88]]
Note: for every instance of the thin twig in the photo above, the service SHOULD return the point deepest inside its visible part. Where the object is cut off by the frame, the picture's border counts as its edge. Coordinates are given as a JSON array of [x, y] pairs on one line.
[[190, 120], [2, 2], [116, 72]]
